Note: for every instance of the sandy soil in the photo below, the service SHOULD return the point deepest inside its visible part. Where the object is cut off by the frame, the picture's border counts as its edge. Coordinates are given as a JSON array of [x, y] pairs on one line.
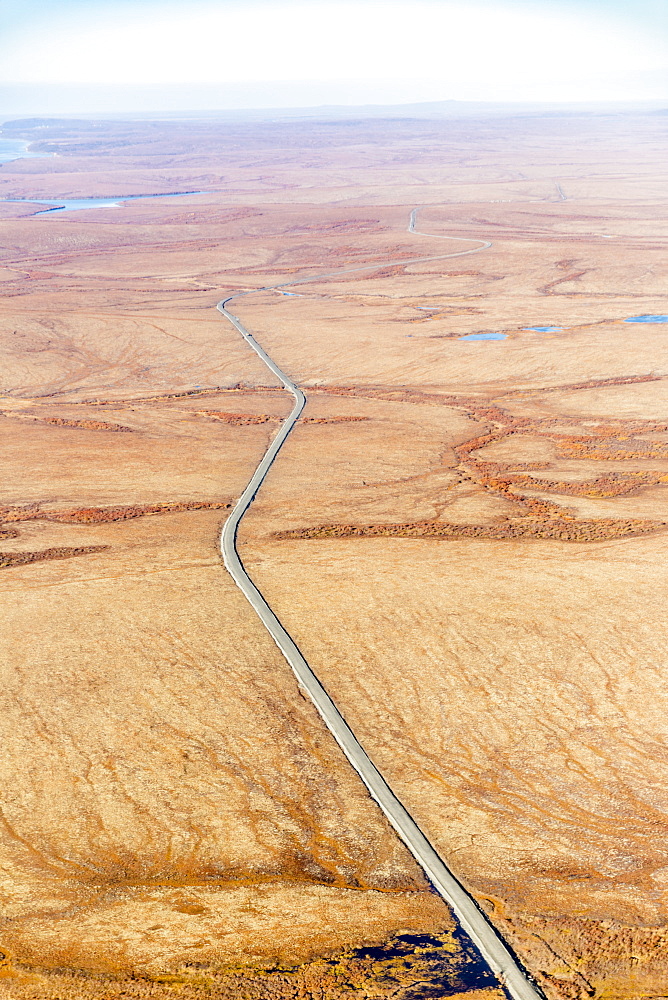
[[464, 537]]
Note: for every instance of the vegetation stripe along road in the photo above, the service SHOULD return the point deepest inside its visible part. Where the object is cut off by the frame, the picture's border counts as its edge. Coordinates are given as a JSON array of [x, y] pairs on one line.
[[473, 920]]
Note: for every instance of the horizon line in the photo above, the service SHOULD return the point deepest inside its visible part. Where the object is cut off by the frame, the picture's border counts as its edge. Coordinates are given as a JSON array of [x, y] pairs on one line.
[[340, 107]]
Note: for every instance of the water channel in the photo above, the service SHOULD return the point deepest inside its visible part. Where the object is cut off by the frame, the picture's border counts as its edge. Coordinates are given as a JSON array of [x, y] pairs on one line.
[[17, 149], [78, 204]]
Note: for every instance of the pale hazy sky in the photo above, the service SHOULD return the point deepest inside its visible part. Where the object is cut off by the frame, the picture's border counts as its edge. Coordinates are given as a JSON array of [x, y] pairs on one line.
[[290, 52]]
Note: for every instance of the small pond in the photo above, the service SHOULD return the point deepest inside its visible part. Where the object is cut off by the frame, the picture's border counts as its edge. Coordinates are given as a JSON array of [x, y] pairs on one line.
[[647, 319], [484, 336]]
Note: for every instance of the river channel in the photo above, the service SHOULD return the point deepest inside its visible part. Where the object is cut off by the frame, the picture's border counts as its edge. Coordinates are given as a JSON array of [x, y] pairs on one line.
[[78, 204], [17, 149]]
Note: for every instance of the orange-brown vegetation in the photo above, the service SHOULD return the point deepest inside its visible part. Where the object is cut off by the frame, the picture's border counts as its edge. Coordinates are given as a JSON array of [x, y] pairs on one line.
[[616, 446], [84, 515], [237, 419], [631, 953], [346, 226], [560, 529], [612, 485], [238, 389], [594, 383], [103, 515], [549, 520], [87, 425], [332, 420], [8, 559]]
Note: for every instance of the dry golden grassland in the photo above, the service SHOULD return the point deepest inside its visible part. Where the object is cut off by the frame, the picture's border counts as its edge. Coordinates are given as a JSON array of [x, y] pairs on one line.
[[465, 538]]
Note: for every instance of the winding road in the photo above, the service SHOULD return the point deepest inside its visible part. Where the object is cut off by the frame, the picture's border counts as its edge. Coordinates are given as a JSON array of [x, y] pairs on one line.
[[473, 920]]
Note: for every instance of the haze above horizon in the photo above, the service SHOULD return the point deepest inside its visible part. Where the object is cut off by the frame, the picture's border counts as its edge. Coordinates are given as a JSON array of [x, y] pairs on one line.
[[112, 56]]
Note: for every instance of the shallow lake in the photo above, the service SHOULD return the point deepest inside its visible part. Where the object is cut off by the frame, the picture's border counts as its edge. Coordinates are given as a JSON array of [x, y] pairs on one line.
[[78, 204], [647, 319], [484, 336]]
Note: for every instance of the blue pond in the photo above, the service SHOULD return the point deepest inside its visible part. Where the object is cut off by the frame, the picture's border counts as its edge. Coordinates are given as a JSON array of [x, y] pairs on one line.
[[484, 336], [647, 319], [78, 204], [545, 329]]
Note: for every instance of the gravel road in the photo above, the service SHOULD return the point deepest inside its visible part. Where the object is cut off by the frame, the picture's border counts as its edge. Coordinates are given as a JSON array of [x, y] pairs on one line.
[[473, 920]]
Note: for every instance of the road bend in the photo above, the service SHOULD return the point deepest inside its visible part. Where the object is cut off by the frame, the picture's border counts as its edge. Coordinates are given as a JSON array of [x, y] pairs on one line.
[[498, 955]]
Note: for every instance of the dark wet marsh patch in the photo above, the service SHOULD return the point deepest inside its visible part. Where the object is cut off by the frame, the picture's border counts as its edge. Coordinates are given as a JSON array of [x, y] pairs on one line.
[[407, 967], [420, 967]]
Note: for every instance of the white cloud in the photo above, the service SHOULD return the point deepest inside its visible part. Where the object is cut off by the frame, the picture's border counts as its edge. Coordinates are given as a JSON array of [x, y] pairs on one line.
[[456, 50]]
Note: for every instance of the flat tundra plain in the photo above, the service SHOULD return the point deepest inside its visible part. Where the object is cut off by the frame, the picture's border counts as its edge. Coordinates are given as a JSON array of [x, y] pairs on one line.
[[466, 539]]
